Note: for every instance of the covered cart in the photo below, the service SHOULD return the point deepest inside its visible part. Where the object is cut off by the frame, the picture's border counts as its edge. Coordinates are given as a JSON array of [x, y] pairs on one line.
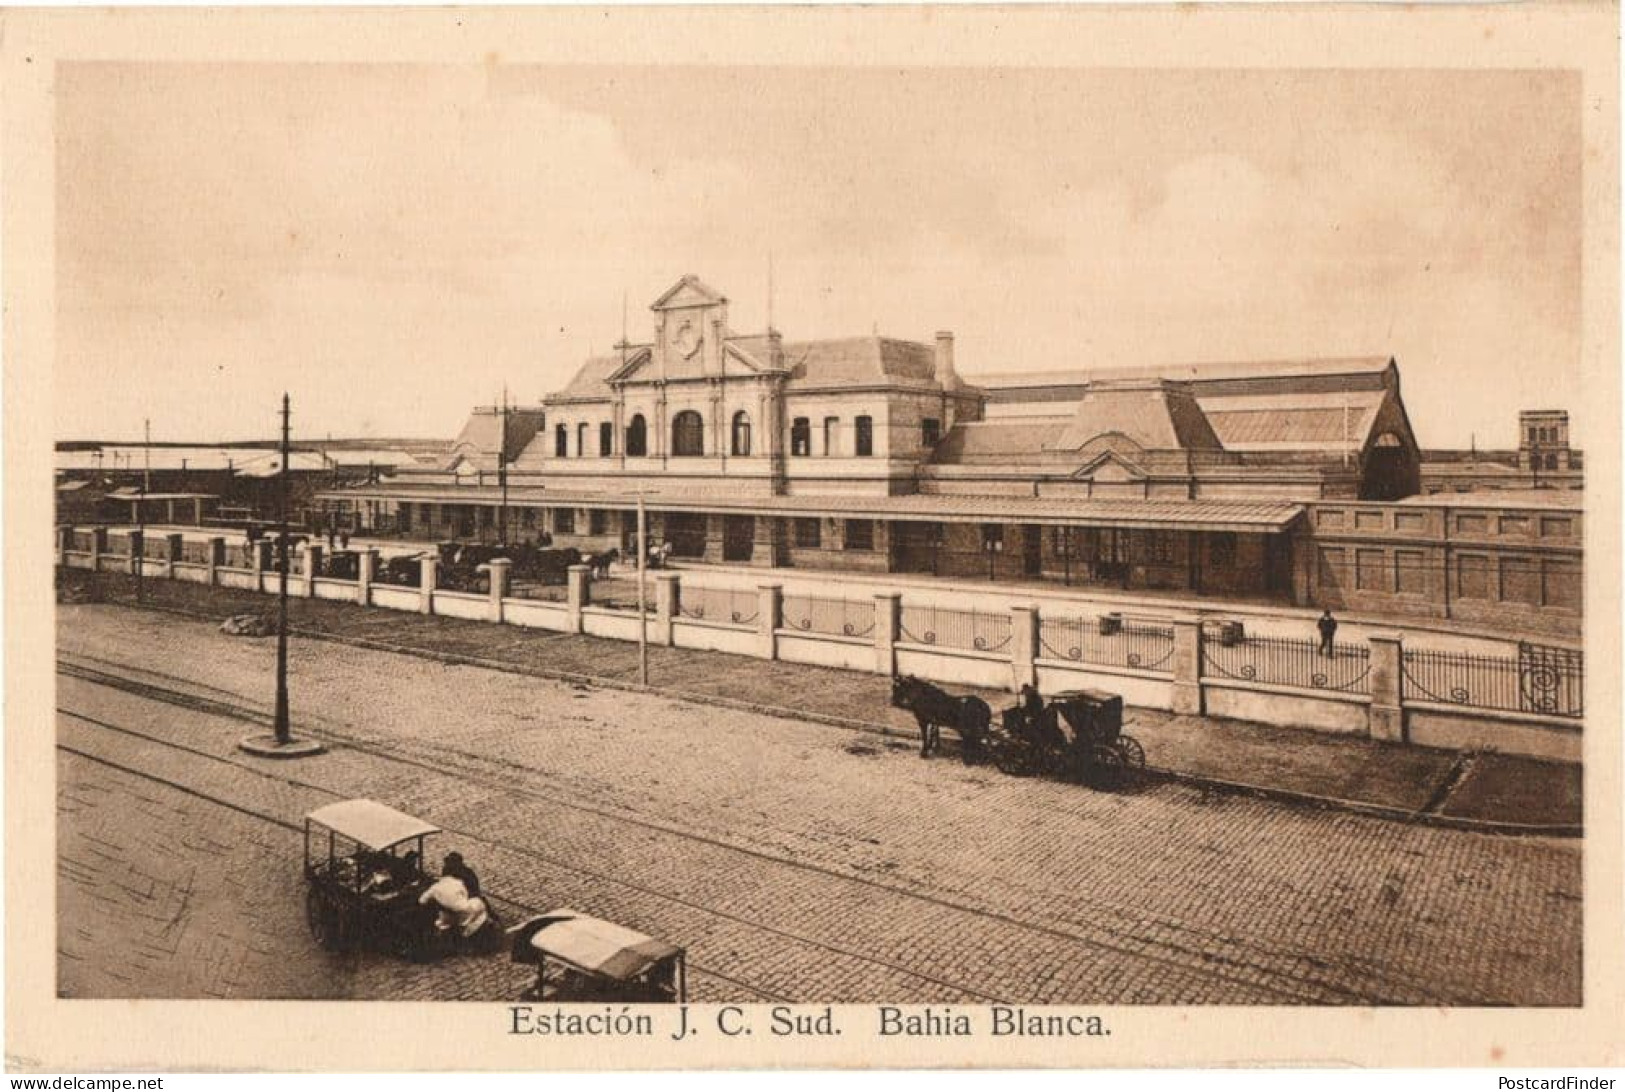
[[363, 875], [582, 958]]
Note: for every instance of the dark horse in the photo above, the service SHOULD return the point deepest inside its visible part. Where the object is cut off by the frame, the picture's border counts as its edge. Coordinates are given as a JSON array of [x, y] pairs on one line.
[[600, 563], [933, 708]]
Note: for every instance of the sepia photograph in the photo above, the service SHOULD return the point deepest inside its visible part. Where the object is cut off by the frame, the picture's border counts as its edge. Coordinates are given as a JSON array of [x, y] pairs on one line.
[[691, 547]]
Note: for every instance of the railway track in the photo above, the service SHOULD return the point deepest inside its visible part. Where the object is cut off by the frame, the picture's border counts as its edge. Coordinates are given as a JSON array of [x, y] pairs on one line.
[[1262, 970]]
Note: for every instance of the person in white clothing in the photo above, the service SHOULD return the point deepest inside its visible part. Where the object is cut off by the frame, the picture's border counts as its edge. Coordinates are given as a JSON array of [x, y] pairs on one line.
[[460, 910]]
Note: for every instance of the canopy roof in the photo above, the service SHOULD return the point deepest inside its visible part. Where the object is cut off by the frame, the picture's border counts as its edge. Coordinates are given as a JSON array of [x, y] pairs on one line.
[[598, 946], [370, 823]]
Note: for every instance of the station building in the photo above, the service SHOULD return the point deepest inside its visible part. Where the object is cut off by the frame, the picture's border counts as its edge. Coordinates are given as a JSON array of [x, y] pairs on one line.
[[874, 454]]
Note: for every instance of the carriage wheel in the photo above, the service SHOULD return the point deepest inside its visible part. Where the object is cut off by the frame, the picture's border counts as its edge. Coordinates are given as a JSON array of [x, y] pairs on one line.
[[1133, 753], [323, 922], [1015, 761]]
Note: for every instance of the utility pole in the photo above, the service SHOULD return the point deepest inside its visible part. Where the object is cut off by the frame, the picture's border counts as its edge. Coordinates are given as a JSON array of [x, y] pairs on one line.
[[281, 744], [283, 737], [141, 510], [502, 471]]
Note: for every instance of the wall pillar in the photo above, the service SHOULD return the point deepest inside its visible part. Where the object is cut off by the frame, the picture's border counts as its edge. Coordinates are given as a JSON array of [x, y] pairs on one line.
[[64, 539], [668, 597], [500, 569], [888, 613], [138, 550], [174, 550], [769, 613], [98, 547], [580, 577], [428, 564], [265, 560], [216, 558], [313, 566], [1387, 712], [1187, 685], [366, 567], [1023, 647]]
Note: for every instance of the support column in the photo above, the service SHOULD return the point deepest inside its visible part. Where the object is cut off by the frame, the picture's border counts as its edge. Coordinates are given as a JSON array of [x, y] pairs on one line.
[[217, 558], [500, 568], [769, 612], [366, 567], [138, 550], [580, 577], [668, 598], [64, 539], [428, 565], [888, 612], [1187, 686], [1023, 647], [1387, 712], [313, 566], [98, 547]]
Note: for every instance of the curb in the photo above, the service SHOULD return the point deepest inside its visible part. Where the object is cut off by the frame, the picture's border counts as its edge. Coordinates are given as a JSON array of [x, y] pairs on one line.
[[1202, 781]]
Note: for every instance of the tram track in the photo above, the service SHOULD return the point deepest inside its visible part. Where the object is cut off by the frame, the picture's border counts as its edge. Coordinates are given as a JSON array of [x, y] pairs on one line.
[[1256, 967]]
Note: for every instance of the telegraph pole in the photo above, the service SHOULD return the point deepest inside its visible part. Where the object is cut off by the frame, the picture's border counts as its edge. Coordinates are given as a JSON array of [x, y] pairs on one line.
[[141, 510], [281, 743], [283, 737], [502, 471]]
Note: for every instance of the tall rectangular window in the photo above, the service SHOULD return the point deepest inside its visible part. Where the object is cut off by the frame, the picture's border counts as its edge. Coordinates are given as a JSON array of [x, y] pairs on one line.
[[864, 429], [808, 533], [606, 438], [598, 521], [564, 520], [930, 431], [860, 534], [801, 436]]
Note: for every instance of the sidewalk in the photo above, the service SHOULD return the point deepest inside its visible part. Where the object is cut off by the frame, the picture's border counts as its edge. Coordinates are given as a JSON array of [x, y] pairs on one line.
[[1490, 791]]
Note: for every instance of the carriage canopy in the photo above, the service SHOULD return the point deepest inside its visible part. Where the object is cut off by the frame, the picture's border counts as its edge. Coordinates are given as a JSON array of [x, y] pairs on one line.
[[369, 823], [590, 944]]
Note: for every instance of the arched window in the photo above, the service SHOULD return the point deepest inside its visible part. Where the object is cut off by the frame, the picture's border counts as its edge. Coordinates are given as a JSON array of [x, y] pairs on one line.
[[741, 433], [561, 442], [606, 439], [688, 434], [637, 436], [581, 439]]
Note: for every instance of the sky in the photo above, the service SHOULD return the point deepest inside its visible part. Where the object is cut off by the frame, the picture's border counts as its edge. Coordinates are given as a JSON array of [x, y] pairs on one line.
[[393, 244]]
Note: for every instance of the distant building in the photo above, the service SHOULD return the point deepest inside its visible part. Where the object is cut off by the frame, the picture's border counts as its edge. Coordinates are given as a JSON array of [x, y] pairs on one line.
[[1544, 459]]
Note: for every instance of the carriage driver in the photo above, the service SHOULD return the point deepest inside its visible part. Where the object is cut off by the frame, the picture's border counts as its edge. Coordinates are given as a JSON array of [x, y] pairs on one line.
[[1032, 707], [457, 895]]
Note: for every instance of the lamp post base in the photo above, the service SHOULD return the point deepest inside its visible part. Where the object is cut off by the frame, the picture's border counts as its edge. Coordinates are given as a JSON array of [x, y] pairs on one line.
[[266, 745]]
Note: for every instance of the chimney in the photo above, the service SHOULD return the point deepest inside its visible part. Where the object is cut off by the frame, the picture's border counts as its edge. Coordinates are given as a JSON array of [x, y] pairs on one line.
[[945, 360]]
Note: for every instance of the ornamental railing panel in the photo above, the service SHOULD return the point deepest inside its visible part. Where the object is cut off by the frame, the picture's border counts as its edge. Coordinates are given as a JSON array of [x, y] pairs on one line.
[[1540, 679], [969, 629], [1290, 661], [836, 617], [738, 606], [1143, 644]]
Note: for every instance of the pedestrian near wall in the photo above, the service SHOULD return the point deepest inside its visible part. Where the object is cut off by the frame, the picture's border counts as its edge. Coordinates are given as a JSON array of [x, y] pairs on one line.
[[1328, 631]]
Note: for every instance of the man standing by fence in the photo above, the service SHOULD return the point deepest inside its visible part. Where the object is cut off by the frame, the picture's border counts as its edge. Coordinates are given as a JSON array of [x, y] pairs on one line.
[[1328, 631]]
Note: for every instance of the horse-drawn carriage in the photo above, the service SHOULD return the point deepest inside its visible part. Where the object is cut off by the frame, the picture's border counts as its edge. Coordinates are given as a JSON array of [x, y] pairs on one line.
[[1077, 735]]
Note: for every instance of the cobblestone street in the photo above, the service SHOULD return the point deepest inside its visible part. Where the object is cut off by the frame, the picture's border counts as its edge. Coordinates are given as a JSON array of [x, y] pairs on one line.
[[793, 860]]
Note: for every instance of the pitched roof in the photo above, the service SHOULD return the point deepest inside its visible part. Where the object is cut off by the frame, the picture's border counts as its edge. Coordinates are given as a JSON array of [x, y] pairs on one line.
[[1331, 421], [1155, 414], [1218, 372], [870, 359]]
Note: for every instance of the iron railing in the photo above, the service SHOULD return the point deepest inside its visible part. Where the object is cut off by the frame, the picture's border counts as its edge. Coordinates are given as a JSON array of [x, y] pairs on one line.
[[1290, 661], [1540, 679], [1138, 643], [737, 605], [841, 617], [956, 628]]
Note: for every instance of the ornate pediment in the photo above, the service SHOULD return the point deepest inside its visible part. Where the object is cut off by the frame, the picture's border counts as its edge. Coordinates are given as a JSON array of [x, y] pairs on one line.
[[690, 291], [1109, 466]]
